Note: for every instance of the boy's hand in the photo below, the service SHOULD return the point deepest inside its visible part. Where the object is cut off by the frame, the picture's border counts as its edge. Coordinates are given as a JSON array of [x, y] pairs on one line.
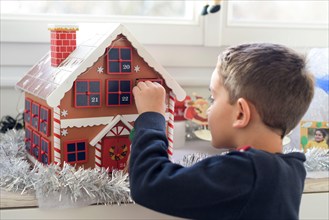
[[150, 97]]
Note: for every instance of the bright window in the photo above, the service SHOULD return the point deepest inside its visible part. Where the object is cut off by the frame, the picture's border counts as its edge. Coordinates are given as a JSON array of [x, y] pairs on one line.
[[76, 152], [289, 22], [118, 92], [150, 21], [279, 13], [87, 93], [141, 8]]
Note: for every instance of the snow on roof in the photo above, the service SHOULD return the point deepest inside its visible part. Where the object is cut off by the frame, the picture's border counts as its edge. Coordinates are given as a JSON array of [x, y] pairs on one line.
[[110, 125], [51, 83]]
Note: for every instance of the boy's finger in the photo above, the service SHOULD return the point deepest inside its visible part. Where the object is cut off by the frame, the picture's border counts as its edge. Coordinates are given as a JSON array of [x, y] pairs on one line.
[[141, 85], [156, 84], [149, 83], [136, 89]]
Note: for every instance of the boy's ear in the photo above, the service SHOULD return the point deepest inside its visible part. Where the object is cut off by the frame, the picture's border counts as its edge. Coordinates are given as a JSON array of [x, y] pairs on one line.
[[242, 116]]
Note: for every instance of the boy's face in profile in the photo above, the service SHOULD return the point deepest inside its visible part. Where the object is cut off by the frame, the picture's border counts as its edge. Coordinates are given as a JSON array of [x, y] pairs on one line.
[[220, 114]]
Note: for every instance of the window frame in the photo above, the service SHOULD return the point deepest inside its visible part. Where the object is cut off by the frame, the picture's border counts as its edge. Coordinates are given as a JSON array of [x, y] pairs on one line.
[[119, 93], [36, 146], [120, 61], [28, 140], [158, 80], [35, 118], [88, 93], [47, 121], [28, 112], [66, 152], [42, 152]]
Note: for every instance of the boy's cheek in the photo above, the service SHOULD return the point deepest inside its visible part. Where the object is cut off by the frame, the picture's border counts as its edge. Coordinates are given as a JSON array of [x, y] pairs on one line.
[[208, 111]]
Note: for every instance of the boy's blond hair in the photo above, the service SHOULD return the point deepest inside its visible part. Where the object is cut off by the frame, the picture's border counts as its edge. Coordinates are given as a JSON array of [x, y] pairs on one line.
[[270, 76]]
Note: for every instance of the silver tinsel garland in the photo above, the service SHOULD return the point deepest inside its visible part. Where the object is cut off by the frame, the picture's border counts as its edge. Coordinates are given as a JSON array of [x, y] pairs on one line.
[[317, 159], [54, 186], [68, 187]]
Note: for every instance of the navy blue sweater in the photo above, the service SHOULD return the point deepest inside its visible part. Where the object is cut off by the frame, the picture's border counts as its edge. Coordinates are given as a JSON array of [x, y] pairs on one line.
[[239, 185]]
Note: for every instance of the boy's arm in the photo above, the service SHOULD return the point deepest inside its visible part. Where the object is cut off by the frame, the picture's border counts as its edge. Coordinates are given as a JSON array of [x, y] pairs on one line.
[[214, 185]]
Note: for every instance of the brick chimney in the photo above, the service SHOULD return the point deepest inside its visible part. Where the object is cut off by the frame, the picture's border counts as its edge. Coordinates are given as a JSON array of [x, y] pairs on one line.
[[63, 42]]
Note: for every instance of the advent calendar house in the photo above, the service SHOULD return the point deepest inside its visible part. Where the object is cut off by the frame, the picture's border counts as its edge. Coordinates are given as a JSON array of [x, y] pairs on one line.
[[79, 107]]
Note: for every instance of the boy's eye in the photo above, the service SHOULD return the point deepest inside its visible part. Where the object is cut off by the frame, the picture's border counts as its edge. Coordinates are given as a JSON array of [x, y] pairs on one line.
[[210, 99]]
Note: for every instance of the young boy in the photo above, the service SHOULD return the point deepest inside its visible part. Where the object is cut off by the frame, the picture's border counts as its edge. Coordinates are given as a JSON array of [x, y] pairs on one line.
[[259, 93]]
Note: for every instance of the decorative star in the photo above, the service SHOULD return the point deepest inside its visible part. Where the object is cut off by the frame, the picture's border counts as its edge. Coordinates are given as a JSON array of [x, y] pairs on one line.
[[137, 68], [64, 113], [64, 132], [100, 69]]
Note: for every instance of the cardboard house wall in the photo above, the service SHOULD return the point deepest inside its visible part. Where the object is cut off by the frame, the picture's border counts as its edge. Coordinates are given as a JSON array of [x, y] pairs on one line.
[[82, 111]]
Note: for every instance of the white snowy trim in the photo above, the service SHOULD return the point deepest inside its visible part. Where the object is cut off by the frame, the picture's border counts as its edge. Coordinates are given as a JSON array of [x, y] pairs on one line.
[[85, 122], [64, 26], [95, 121], [105, 130]]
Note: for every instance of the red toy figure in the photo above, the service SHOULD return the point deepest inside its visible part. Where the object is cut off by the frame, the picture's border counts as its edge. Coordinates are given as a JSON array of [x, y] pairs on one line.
[[196, 111]]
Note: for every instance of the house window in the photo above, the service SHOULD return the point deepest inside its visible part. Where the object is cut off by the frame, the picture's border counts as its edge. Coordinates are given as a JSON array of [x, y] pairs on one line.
[[45, 151], [27, 111], [76, 152], [118, 92], [28, 139], [44, 120], [35, 115], [119, 60], [160, 81], [87, 93], [36, 145]]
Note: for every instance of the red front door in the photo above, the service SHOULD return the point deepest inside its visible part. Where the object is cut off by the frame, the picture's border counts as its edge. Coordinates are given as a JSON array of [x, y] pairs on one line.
[[115, 151]]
